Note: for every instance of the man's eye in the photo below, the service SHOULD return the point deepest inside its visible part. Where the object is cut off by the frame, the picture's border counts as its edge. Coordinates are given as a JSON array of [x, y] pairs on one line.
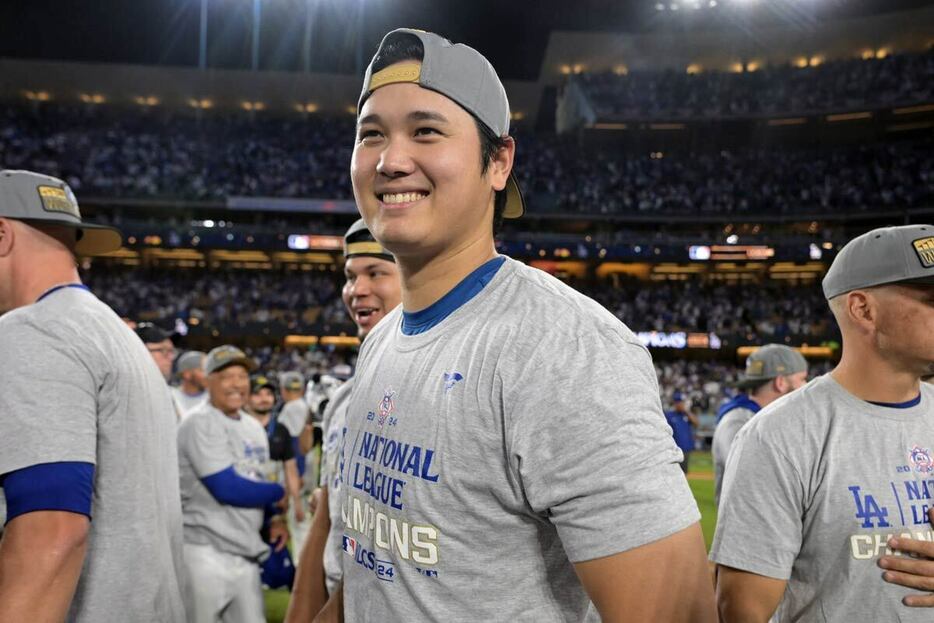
[[426, 131], [365, 134]]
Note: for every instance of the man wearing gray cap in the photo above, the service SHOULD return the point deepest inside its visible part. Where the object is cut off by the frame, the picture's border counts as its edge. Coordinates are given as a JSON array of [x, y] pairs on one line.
[[227, 485], [506, 456], [295, 416], [191, 392], [771, 372], [86, 430], [821, 481]]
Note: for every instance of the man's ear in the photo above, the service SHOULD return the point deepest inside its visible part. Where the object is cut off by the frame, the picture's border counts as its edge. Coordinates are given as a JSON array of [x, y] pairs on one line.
[[501, 164], [7, 236]]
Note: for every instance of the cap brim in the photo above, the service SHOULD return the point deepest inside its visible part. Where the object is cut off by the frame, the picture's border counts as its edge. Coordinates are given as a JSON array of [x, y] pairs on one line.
[[93, 239], [515, 204], [246, 362], [98, 239]]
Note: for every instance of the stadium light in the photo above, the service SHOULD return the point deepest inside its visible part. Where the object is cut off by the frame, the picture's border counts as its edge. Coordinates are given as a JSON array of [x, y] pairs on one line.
[[752, 66], [659, 7], [693, 68], [883, 52], [92, 98], [621, 70], [712, 4]]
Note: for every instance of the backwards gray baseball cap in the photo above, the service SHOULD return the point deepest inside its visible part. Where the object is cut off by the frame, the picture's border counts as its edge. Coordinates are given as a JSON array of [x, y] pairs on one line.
[[881, 256], [460, 73], [769, 362], [190, 360], [225, 356], [292, 381], [41, 199]]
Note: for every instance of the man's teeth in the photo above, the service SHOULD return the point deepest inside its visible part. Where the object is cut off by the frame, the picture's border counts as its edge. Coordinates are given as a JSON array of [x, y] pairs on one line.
[[403, 197]]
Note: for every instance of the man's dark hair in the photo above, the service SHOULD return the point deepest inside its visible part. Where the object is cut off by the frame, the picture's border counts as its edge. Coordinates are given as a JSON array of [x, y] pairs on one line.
[[404, 46]]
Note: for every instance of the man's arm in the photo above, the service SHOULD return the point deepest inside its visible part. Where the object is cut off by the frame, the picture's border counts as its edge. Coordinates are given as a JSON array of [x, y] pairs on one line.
[[745, 597], [667, 580], [333, 611], [293, 485], [309, 593], [41, 555]]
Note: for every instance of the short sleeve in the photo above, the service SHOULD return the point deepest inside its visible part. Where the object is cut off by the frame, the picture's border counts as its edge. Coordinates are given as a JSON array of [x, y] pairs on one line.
[[592, 448], [759, 526], [294, 417], [203, 441], [48, 398]]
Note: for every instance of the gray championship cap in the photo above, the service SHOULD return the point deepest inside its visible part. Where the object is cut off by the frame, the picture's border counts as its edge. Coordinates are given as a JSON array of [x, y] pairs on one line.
[[460, 73], [769, 362], [881, 256], [191, 360], [225, 356], [293, 382], [359, 241], [40, 199]]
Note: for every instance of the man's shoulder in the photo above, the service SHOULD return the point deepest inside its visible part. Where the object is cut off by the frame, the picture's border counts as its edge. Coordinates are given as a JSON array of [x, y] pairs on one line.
[[795, 417]]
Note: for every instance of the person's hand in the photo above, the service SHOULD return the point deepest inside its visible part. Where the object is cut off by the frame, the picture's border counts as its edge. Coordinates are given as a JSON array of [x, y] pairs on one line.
[[278, 532], [917, 573], [314, 500], [283, 503]]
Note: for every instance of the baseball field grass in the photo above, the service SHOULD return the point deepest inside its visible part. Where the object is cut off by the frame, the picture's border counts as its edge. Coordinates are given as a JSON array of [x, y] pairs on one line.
[[700, 478]]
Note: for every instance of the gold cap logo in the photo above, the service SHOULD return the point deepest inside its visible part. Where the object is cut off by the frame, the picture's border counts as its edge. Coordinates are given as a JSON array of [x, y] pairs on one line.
[[924, 247]]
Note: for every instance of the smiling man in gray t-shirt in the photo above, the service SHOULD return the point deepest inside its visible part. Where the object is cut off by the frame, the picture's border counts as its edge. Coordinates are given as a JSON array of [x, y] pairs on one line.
[[506, 457]]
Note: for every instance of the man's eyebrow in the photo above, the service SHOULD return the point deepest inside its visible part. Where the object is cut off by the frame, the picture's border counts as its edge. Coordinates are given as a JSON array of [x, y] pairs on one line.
[[370, 118], [427, 115]]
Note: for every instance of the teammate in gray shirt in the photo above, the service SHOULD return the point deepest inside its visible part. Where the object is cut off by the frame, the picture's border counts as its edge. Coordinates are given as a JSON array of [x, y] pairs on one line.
[[87, 454], [506, 456], [371, 291], [819, 482], [771, 372], [191, 391], [226, 483]]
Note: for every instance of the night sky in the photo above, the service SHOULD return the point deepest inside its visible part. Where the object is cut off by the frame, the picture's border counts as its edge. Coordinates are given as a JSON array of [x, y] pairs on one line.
[[513, 34]]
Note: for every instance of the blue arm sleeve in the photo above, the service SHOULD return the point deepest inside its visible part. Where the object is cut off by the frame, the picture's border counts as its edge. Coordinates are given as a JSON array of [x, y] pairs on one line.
[[230, 488], [66, 486]]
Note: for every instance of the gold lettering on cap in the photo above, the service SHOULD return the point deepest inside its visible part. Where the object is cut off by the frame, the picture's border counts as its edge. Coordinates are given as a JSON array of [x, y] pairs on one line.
[[755, 367], [400, 72], [360, 248], [924, 247], [55, 199]]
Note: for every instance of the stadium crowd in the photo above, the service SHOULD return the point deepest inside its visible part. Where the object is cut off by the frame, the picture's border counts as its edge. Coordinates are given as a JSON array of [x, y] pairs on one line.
[[158, 155], [831, 86], [306, 301]]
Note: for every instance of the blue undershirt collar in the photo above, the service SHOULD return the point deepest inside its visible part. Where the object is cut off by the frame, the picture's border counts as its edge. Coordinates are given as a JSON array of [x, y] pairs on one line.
[[55, 289], [414, 323], [914, 402]]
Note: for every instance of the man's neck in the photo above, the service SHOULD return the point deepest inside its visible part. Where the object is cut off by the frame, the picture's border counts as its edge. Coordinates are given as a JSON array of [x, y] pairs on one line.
[[875, 379], [38, 283], [425, 281], [190, 389]]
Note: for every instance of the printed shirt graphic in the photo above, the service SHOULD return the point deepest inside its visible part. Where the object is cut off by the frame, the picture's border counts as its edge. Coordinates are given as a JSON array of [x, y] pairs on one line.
[[209, 442], [815, 485], [484, 456]]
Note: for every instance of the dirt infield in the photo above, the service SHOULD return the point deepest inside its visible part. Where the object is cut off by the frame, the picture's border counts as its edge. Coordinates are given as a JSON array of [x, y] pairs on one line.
[[700, 475]]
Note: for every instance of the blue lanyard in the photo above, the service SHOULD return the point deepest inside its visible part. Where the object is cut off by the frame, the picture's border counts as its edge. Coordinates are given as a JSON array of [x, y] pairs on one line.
[[80, 286]]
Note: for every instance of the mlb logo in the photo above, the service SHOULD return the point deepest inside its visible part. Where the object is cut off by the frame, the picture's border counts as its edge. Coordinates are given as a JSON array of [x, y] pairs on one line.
[[349, 545]]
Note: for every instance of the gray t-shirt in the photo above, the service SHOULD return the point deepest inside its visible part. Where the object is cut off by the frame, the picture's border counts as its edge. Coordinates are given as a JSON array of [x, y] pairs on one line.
[[485, 456], [335, 418], [77, 385], [815, 485], [210, 442], [294, 416], [723, 437], [186, 402]]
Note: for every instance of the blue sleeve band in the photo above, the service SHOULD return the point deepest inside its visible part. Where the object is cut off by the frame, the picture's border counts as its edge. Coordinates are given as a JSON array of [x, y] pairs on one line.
[[67, 486], [230, 488]]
